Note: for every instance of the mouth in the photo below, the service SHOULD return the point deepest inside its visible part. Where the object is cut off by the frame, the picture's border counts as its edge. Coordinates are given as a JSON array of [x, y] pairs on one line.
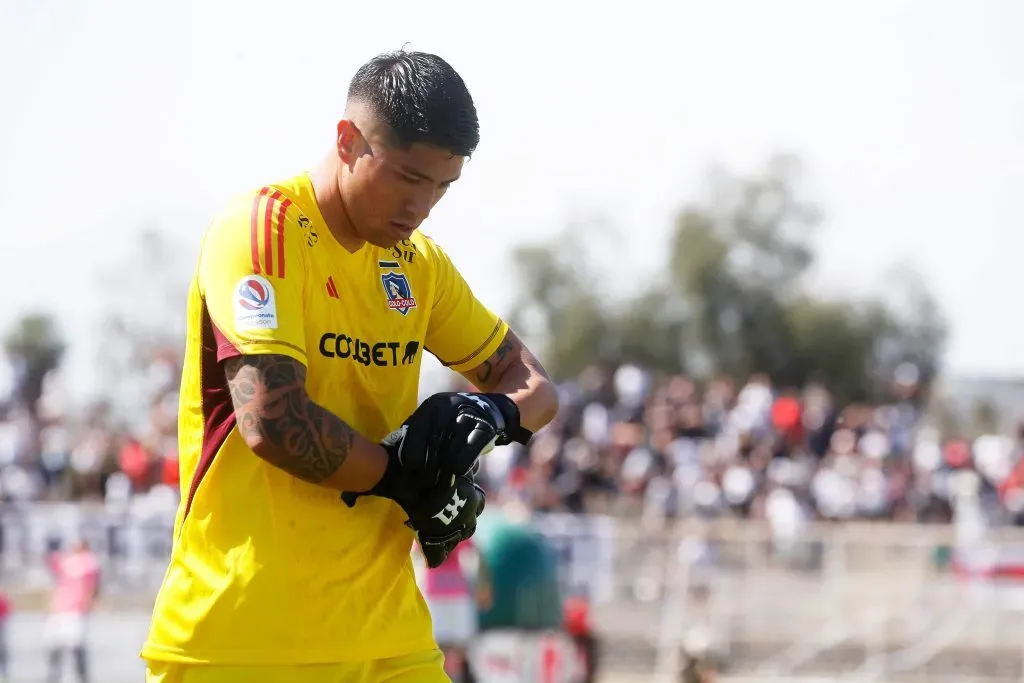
[[403, 229]]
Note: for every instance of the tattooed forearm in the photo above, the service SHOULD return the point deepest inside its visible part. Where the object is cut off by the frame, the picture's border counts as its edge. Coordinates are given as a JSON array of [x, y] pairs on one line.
[[281, 423], [493, 367], [514, 371]]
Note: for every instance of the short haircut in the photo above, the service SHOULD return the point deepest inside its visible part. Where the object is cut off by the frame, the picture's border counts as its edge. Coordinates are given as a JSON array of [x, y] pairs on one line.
[[421, 98]]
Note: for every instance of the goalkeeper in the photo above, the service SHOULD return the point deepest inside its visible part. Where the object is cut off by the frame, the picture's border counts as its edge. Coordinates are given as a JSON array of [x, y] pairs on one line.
[[307, 467]]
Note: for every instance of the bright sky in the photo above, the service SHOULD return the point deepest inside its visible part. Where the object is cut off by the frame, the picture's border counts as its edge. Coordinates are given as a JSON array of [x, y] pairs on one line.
[[910, 116]]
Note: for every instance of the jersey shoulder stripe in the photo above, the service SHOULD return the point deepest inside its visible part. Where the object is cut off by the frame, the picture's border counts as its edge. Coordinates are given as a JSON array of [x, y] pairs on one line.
[[476, 352], [269, 209]]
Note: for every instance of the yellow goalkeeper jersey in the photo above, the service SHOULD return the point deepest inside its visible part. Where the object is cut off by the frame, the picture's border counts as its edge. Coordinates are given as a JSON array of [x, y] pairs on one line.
[[266, 568]]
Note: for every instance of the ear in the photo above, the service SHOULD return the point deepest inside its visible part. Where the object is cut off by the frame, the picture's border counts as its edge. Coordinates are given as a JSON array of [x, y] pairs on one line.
[[347, 142]]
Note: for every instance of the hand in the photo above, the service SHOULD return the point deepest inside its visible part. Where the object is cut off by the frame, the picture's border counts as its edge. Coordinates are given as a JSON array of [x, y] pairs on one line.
[[445, 518], [436, 444]]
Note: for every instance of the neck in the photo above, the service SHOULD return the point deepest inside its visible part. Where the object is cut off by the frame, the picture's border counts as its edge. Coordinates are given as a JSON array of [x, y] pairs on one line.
[[326, 187]]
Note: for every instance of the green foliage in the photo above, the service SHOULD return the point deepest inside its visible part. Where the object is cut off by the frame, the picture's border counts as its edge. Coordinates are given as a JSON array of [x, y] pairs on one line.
[[555, 297], [985, 417], [731, 299], [35, 347]]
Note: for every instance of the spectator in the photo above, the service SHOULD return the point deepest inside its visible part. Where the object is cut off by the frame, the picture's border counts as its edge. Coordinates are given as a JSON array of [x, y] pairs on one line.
[[5, 617], [633, 443], [76, 575]]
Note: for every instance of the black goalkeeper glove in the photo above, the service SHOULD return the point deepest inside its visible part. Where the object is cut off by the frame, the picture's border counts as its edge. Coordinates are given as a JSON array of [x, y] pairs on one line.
[[436, 444], [446, 517]]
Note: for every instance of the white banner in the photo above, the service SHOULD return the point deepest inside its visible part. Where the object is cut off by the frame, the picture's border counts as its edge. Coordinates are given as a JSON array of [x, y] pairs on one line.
[[514, 657]]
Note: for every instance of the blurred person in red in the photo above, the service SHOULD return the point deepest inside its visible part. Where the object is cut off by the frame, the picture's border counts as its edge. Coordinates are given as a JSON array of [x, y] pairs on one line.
[[170, 474], [580, 628], [787, 418], [77, 577], [135, 461], [5, 617]]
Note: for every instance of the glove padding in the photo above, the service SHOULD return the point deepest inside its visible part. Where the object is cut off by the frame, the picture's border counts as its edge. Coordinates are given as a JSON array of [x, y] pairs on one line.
[[500, 411], [441, 440], [446, 517]]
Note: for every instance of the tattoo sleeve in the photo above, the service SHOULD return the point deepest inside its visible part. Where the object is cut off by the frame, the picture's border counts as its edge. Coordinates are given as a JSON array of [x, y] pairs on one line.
[[273, 410]]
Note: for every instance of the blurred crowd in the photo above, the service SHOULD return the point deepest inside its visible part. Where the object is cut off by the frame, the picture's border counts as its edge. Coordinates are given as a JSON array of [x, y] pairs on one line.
[[103, 451], [626, 442], [629, 443]]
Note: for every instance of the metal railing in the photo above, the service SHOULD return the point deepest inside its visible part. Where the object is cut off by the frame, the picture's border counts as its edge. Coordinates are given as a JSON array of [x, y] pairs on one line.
[[862, 601], [854, 601]]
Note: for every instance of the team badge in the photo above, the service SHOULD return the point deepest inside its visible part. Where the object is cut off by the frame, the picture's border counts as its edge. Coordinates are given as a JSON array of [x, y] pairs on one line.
[[397, 288]]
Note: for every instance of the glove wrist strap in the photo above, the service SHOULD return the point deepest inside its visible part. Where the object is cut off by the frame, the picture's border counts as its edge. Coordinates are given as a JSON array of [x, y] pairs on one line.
[[510, 413], [385, 488]]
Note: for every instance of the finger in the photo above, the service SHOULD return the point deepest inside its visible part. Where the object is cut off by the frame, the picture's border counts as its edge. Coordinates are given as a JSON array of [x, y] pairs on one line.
[[413, 453], [471, 439], [475, 496], [483, 500], [437, 549], [434, 555]]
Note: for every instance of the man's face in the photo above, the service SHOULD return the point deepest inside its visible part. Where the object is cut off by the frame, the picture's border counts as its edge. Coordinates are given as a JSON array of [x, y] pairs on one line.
[[389, 191]]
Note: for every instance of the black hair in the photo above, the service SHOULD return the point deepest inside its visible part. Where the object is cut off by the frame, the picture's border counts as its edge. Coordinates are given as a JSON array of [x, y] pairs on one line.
[[421, 98]]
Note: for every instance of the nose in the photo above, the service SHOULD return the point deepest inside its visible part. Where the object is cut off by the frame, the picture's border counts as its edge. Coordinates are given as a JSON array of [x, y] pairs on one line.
[[421, 201]]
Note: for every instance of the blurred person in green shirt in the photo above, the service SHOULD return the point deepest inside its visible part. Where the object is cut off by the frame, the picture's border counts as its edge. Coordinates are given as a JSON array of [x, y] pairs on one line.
[[522, 634]]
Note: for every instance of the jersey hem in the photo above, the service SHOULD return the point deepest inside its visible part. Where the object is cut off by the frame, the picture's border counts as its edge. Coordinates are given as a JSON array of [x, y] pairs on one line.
[[261, 348], [157, 653]]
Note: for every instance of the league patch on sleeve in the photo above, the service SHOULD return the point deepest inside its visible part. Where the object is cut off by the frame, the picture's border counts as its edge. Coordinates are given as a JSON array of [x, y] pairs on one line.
[[255, 304]]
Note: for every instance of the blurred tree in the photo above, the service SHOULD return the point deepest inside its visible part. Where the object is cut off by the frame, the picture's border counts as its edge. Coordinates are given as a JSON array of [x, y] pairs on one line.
[[556, 304], [985, 417], [737, 259], [648, 329], [833, 343], [733, 300], [912, 332], [561, 302], [35, 348]]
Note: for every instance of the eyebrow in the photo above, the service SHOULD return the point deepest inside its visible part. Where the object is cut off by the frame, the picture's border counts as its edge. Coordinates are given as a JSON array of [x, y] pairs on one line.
[[413, 172]]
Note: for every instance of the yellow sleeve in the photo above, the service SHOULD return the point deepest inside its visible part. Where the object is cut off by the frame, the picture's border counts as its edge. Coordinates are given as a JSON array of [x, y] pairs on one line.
[[462, 332], [251, 276]]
